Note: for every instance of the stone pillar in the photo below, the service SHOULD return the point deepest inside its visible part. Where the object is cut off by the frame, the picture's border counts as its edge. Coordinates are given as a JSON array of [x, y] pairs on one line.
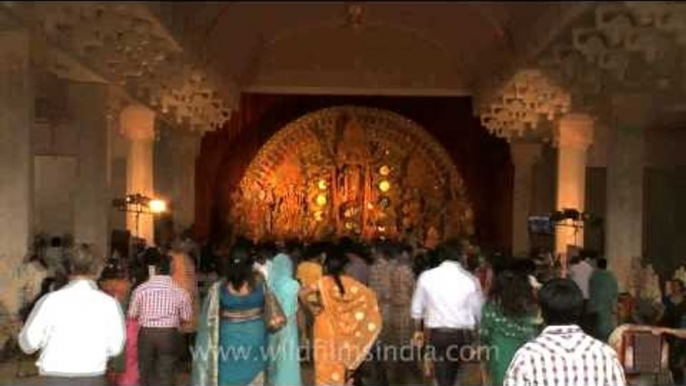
[[16, 163], [138, 124], [574, 135], [183, 147], [524, 156], [87, 104], [625, 171]]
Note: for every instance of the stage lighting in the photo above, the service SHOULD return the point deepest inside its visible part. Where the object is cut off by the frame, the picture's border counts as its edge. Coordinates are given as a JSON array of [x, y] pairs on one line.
[[571, 214], [557, 216], [566, 214], [139, 204], [157, 206]]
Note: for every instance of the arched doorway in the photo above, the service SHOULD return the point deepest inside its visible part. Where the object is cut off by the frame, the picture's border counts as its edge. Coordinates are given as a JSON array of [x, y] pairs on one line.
[[353, 171]]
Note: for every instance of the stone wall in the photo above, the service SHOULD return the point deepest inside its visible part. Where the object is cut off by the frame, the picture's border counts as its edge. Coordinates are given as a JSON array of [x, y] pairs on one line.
[[54, 184]]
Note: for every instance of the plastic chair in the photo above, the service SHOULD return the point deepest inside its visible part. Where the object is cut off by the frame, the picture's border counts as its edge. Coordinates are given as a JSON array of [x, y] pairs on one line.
[[646, 356]]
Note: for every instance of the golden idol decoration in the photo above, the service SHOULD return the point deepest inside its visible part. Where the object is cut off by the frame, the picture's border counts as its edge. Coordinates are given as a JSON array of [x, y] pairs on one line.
[[352, 171]]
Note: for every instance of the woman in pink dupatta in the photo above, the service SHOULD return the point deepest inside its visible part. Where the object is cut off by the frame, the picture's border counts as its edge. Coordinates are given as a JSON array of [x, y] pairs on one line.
[[125, 368], [130, 375]]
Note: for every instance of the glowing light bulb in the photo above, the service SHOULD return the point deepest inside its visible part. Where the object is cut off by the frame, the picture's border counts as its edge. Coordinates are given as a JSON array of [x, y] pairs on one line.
[[384, 186], [157, 206], [321, 200]]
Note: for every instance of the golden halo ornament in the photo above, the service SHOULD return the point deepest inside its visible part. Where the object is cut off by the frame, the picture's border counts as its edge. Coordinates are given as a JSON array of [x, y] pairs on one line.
[[384, 186]]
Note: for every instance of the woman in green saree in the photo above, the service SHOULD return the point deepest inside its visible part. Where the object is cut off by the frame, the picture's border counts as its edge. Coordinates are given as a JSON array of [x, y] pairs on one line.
[[284, 354], [231, 341], [507, 322]]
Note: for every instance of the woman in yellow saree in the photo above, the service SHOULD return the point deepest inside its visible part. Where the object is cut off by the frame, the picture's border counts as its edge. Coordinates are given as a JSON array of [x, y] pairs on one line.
[[347, 323]]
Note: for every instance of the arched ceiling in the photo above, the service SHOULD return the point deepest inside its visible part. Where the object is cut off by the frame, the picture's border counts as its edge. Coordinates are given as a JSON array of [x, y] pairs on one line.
[[190, 60], [389, 47]]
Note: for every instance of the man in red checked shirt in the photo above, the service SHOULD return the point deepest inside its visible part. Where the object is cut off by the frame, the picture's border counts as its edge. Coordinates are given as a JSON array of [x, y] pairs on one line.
[[162, 308]]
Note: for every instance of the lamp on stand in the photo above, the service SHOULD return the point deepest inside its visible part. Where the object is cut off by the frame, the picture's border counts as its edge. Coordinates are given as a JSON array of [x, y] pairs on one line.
[[139, 204]]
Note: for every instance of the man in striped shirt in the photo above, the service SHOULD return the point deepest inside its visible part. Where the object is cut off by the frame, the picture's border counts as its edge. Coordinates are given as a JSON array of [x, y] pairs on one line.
[[563, 354], [161, 308]]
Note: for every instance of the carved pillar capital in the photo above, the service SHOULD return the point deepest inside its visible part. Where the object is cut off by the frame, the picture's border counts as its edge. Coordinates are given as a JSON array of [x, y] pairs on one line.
[[523, 103], [575, 131], [137, 123], [127, 45]]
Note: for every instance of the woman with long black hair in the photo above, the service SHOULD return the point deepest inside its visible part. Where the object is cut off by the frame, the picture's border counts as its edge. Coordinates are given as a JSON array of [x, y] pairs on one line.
[[347, 321], [507, 321], [232, 332]]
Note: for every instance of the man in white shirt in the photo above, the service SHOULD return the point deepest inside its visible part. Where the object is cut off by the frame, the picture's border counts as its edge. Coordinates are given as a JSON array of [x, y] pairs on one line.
[[581, 273], [448, 301], [265, 253], [77, 328]]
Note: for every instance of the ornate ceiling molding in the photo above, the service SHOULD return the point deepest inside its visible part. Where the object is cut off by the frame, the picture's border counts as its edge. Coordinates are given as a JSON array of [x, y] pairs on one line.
[[531, 41], [587, 85], [130, 48], [185, 93], [611, 48], [121, 40], [523, 104], [617, 48], [632, 39]]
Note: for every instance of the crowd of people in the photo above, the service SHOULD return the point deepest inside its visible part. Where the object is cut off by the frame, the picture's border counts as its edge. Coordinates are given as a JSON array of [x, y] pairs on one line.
[[382, 313]]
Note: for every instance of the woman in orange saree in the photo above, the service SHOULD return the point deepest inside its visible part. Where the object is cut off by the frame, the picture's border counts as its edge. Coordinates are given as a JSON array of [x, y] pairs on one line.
[[347, 323]]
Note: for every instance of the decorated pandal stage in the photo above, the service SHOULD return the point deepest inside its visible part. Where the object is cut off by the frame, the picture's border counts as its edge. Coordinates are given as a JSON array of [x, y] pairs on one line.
[[352, 171]]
